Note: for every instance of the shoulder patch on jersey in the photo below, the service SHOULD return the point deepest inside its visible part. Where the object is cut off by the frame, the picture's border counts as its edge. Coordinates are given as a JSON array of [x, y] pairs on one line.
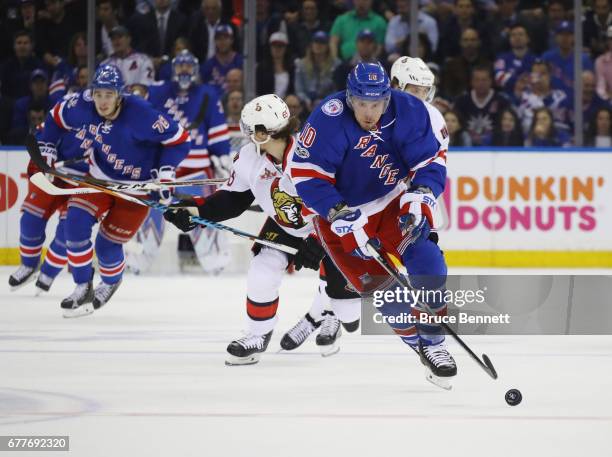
[[333, 107], [302, 152], [87, 95]]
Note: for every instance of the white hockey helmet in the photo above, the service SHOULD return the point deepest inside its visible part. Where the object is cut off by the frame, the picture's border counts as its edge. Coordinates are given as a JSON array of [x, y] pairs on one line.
[[412, 70], [268, 113]]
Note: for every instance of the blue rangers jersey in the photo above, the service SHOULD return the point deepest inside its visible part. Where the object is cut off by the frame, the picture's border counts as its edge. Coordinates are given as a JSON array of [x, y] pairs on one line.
[[126, 148], [508, 67], [211, 136], [337, 161]]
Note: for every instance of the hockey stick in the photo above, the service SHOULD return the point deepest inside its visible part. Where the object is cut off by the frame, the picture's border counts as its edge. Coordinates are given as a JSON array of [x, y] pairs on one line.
[[37, 158], [485, 363], [68, 162], [201, 114], [40, 180]]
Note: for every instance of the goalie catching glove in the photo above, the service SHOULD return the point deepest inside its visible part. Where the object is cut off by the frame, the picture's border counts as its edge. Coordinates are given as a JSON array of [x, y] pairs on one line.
[[416, 217]]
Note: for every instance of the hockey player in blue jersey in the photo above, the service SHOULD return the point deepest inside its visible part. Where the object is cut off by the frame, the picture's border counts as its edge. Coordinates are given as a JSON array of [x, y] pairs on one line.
[[197, 108], [354, 153], [36, 210], [131, 141]]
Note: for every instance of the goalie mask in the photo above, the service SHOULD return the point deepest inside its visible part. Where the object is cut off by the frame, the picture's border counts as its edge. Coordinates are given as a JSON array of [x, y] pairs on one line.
[[185, 69], [262, 117], [410, 71]]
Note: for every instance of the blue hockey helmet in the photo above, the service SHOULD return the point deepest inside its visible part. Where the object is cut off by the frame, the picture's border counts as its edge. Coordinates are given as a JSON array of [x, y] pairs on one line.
[[186, 79], [368, 81], [108, 77]]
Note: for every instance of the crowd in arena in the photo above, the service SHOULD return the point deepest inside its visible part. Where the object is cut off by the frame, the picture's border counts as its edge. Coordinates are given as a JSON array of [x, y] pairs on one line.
[[504, 68]]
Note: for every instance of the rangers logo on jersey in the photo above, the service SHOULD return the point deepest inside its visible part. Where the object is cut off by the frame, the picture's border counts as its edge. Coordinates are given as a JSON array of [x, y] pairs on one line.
[[288, 208], [333, 107]]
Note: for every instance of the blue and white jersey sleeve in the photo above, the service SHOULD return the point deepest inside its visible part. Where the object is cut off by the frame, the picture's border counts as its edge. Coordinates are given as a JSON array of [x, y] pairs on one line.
[[215, 124], [317, 158]]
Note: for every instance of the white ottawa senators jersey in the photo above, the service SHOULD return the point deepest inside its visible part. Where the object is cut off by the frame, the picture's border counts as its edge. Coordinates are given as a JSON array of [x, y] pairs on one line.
[[438, 125], [272, 188]]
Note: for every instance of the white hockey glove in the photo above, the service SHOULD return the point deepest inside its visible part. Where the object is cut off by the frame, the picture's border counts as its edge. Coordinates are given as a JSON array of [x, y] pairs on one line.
[[349, 226], [164, 174], [222, 165], [49, 152], [416, 216]]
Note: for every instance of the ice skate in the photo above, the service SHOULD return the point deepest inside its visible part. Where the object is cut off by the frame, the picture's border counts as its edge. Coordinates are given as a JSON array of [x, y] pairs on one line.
[[440, 364], [43, 283], [79, 302], [329, 334], [247, 350], [103, 293], [21, 277], [299, 333]]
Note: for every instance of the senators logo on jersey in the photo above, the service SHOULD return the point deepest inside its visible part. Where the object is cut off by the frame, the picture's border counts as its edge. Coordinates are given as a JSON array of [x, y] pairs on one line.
[[288, 208]]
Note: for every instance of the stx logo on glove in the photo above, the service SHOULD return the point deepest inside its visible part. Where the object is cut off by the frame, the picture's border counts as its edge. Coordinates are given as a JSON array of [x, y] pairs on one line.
[[343, 229], [429, 201]]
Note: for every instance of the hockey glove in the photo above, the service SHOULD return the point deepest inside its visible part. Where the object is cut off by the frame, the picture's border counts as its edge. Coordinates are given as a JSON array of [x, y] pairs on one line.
[[309, 255], [164, 174], [180, 216], [349, 226], [417, 207], [222, 165]]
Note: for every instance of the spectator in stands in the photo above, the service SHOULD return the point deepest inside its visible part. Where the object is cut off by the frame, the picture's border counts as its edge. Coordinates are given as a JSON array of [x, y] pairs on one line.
[[202, 26], [56, 29], [540, 93], [398, 29], [136, 68], [35, 115], [39, 93], [464, 18], [25, 20], [213, 71], [603, 70], [591, 102], [164, 73], [314, 73], [301, 33], [544, 38], [233, 104], [234, 80], [543, 132], [455, 78], [64, 74], [15, 73], [510, 65], [366, 52], [600, 131], [296, 107], [156, 31], [478, 108], [81, 80], [268, 22], [106, 20], [595, 27], [457, 135], [562, 59], [507, 130], [275, 72], [349, 25]]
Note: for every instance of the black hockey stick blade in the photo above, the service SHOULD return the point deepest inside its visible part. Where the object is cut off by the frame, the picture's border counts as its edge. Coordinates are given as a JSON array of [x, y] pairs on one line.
[[487, 366], [34, 152]]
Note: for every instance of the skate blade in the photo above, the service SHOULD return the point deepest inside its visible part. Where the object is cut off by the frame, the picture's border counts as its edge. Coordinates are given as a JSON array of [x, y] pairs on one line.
[[235, 361], [443, 383], [40, 292], [328, 351], [82, 310]]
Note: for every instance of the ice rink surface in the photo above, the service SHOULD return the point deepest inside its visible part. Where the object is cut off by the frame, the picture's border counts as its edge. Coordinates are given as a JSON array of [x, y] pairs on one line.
[[145, 376]]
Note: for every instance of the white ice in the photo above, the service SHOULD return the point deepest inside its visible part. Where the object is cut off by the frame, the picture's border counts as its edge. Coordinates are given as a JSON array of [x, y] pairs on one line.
[[145, 376]]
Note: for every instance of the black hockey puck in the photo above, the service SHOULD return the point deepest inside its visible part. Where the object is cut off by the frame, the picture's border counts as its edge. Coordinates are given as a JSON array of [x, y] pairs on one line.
[[514, 397]]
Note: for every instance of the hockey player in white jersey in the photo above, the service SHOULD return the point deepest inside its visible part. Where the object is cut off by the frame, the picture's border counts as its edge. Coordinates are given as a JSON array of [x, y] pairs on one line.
[[258, 175]]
